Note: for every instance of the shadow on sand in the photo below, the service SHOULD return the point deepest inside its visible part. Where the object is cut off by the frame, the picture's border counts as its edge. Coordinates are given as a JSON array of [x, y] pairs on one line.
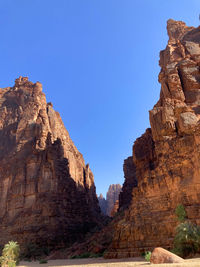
[[91, 261]]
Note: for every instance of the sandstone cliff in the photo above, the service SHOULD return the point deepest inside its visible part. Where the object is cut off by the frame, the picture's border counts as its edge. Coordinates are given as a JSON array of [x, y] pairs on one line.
[[130, 182], [166, 158], [110, 204], [48, 195]]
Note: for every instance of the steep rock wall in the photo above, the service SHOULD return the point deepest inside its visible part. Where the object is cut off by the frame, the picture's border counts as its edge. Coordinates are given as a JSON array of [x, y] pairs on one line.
[[167, 156], [47, 193]]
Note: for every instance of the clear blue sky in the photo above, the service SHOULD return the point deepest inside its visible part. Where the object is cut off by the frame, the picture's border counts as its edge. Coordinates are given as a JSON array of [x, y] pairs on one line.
[[98, 63]]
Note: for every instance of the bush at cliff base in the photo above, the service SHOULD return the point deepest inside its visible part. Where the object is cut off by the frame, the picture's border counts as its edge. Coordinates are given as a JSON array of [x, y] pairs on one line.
[[147, 255], [180, 213], [187, 239], [10, 254]]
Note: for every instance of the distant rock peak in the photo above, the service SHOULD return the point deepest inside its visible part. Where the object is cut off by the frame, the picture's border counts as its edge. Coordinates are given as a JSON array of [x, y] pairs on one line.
[[110, 205]]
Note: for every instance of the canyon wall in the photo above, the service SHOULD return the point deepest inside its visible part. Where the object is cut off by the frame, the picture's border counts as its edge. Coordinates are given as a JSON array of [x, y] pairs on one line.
[[166, 158], [48, 196]]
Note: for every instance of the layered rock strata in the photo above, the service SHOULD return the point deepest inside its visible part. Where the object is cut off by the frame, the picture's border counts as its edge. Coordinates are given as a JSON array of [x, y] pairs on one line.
[[166, 158], [48, 195]]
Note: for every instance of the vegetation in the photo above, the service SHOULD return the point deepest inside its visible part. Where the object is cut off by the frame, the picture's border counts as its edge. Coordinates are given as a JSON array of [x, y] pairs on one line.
[[187, 238], [147, 255], [42, 261], [10, 254], [180, 213]]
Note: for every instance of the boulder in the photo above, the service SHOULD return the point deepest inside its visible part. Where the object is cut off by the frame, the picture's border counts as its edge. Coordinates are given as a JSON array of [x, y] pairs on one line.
[[161, 255]]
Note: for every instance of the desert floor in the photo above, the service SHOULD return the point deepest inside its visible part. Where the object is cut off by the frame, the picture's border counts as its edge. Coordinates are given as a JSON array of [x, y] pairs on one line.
[[100, 262]]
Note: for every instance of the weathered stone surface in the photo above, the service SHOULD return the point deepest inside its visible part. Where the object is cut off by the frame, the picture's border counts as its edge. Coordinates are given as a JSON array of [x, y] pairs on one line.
[[115, 208], [166, 158], [47, 193], [102, 204], [112, 196], [130, 182], [160, 255], [110, 204]]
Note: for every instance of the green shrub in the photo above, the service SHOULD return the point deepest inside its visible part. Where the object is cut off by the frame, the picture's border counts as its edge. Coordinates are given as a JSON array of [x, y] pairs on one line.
[[180, 213], [10, 254], [187, 239], [147, 255], [42, 261], [96, 255]]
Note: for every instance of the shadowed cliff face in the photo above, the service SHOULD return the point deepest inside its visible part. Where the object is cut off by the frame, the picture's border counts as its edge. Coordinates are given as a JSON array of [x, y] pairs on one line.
[[166, 158], [47, 193]]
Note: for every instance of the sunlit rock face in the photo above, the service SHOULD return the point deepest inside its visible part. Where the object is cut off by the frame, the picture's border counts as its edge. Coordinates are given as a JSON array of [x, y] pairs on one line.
[[47, 194], [166, 158]]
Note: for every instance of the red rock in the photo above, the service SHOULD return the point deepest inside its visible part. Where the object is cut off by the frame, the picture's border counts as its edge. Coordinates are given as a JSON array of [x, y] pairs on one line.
[[130, 182], [166, 158], [160, 255], [47, 193], [115, 208]]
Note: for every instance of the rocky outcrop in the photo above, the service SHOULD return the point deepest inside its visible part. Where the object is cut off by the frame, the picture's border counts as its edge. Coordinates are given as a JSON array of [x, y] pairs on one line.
[[102, 204], [114, 209], [110, 205], [130, 182], [160, 255], [166, 157], [112, 196], [48, 195]]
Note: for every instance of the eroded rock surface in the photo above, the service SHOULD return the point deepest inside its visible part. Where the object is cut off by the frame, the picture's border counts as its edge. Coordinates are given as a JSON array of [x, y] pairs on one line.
[[130, 182], [102, 203], [160, 255], [110, 205], [47, 193], [111, 197], [166, 158]]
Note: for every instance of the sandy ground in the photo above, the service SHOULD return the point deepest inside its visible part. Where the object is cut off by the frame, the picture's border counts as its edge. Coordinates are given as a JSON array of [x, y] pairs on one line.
[[100, 262]]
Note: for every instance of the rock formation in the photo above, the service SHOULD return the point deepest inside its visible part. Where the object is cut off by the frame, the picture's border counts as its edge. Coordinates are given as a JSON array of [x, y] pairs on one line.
[[130, 182], [114, 209], [102, 204], [166, 158], [48, 195], [112, 196], [110, 204]]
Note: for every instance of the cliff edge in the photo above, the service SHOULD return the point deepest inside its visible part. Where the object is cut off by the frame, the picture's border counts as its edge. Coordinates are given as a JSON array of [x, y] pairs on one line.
[[164, 169], [48, 196]]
